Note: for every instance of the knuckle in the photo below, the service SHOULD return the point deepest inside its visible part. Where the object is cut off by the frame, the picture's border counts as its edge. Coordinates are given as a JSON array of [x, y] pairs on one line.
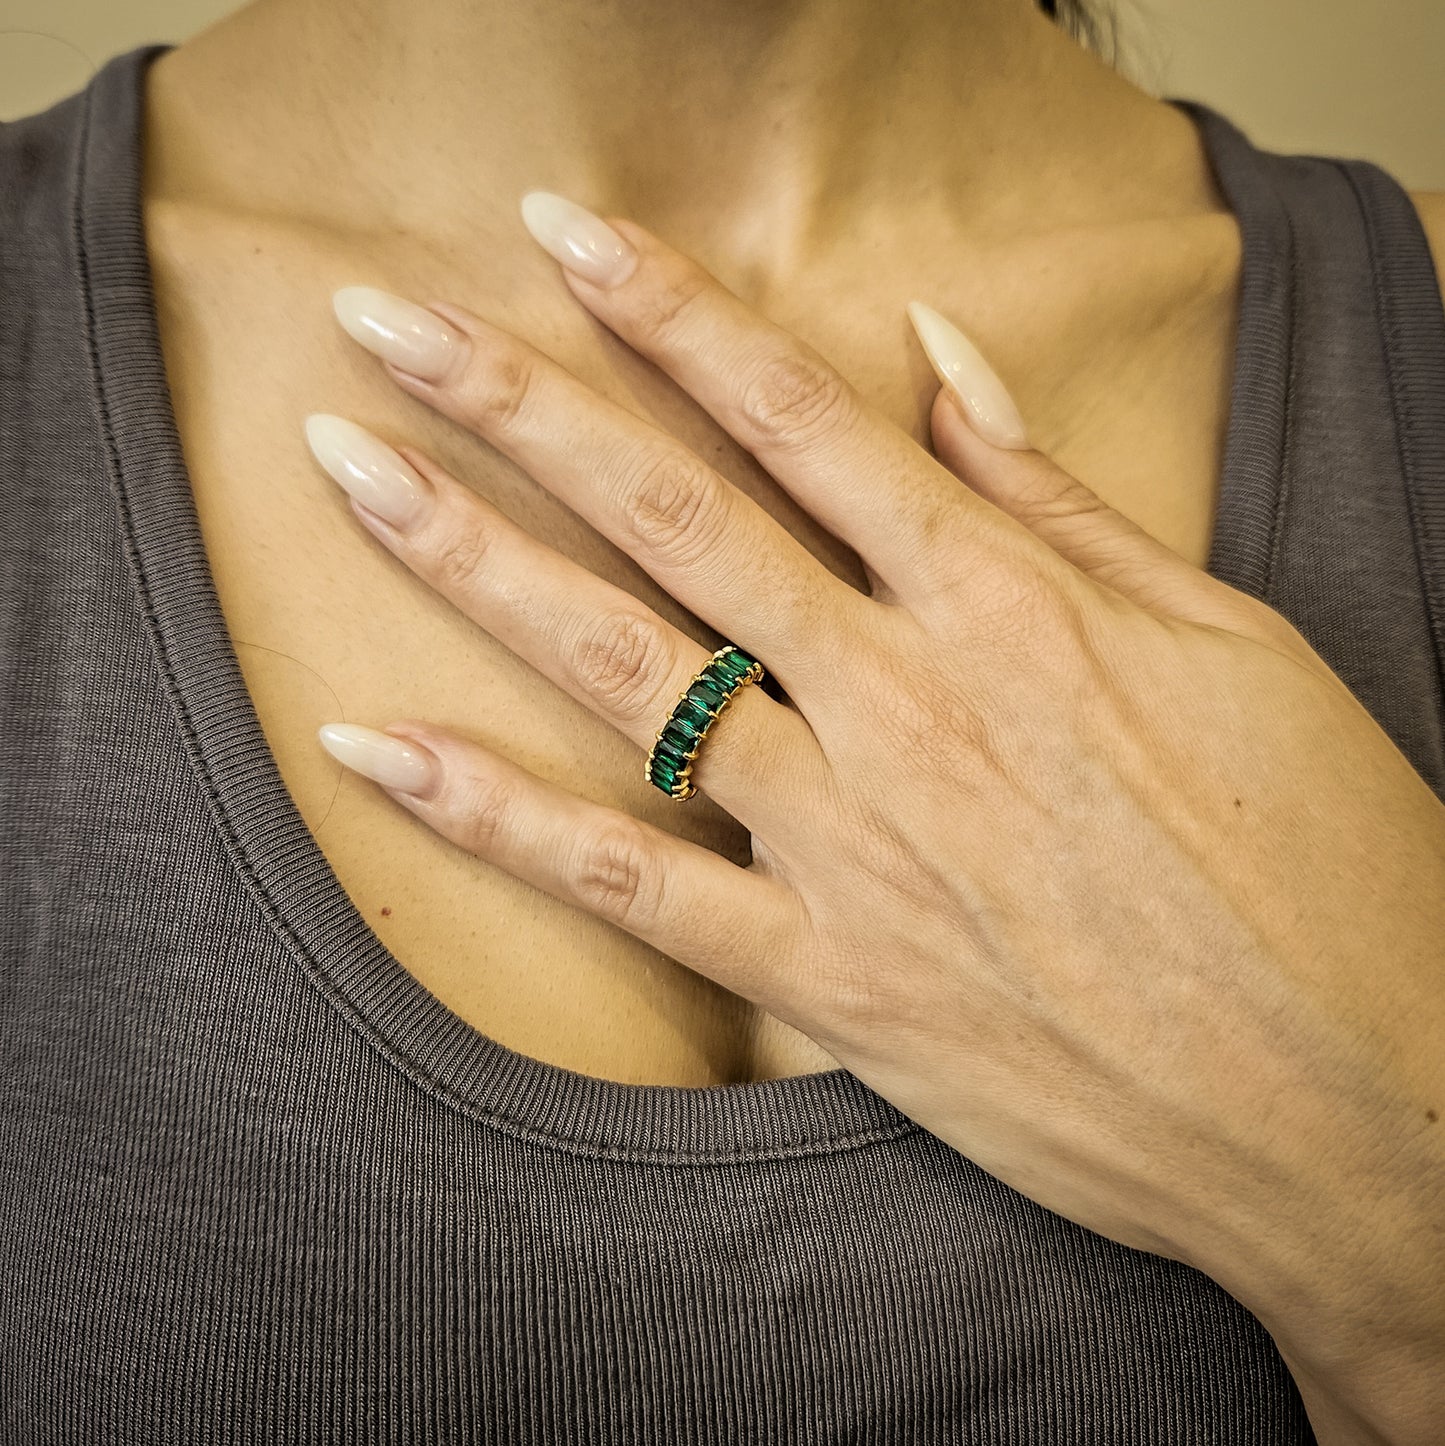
[[677, 507], [1021, 604], [620, 659], [668, 309], [460, 561], [616, 875], [1047, 496], [1113, 563], [1027, 594], [793, 398], [496, 391], [485, 811]]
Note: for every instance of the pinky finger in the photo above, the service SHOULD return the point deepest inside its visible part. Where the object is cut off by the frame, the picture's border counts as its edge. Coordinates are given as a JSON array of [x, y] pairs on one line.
[[740, 928]]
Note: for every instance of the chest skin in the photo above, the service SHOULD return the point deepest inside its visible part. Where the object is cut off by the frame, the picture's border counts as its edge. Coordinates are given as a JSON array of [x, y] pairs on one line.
[[1117, 344]]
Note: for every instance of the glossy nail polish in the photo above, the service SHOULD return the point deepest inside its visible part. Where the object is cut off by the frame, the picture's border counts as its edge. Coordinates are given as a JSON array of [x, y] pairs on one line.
[[377, 755], [581, 241], [399, 331], [376, 475], [984, 400]]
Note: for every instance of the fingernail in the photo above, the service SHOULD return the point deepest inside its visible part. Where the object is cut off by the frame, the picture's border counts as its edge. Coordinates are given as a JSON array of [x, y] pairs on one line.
[[376, 475], [578, 239], [377, 755], [961, 368], [399, 331]]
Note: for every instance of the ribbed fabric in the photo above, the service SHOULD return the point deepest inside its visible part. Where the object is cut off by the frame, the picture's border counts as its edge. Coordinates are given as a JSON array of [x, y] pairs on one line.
[[258, 1185]]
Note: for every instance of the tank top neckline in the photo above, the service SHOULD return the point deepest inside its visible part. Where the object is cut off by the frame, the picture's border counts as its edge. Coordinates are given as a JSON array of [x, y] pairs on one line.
[[264, 835]]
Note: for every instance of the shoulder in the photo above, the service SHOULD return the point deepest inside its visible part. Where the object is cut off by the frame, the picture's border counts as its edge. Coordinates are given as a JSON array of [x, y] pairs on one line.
[[1431, 208], [37, 166]]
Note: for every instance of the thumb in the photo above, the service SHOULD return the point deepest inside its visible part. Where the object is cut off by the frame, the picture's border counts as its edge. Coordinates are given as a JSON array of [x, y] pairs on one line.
[[979, 436]]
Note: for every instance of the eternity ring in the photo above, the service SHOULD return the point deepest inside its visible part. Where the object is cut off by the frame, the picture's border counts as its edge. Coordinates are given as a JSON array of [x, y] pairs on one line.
[[669, 764]]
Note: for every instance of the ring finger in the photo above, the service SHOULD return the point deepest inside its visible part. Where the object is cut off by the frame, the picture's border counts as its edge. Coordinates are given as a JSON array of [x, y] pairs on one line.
[[594, 640]]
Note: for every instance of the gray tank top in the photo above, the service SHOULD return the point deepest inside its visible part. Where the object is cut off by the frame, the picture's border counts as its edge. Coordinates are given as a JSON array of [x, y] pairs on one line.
[[258, 1185]]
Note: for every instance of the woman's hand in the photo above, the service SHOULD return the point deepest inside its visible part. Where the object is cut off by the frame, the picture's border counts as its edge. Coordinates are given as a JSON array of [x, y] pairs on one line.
[[1083, 859]]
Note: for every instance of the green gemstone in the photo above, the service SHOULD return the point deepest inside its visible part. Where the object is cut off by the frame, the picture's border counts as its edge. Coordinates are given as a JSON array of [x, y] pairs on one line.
[[708, 692], [681, 736], [669, 752], [664, 772], [694, 715], [734, 663]]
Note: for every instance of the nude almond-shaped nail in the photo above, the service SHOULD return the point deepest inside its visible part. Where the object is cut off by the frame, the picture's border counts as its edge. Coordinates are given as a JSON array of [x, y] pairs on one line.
[[582, 242], [379, 756], [377, 475], [407, 335], [960, 366]]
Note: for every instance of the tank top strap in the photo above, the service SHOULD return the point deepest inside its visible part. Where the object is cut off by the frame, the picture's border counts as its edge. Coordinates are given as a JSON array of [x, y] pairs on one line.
[[1339, 425], [1407, 292]]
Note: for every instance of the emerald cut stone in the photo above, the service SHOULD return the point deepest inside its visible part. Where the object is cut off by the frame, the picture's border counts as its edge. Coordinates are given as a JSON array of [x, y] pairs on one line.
[[708, 692], [669, 753], [683, 736], [732, 665], [694, 715]]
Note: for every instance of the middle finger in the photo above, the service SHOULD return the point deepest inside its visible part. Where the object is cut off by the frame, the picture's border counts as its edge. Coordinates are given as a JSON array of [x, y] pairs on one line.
[[707, 542]]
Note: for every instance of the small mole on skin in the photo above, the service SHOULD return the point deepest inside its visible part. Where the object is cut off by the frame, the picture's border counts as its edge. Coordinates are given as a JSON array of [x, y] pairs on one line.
[[1432, 1116], [1238, 804], [386, 909]]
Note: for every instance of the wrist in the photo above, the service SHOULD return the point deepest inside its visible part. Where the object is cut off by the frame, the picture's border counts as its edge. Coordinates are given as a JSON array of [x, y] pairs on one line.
[[1354, 1300], [1323, 1213], [1368, 1395]]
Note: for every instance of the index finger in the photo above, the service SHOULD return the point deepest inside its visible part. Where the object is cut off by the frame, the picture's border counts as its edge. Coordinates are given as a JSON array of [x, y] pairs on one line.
[[862, 476]]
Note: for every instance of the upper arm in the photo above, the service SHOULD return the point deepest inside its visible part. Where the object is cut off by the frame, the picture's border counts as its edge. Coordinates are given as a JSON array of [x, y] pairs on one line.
[[1431, 206]]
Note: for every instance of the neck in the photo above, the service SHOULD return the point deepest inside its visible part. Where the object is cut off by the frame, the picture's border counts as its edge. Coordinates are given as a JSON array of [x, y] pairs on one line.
[[769, 132]]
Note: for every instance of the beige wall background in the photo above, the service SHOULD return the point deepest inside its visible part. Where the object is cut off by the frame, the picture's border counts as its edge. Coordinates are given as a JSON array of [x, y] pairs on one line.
[[1331, 77]]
